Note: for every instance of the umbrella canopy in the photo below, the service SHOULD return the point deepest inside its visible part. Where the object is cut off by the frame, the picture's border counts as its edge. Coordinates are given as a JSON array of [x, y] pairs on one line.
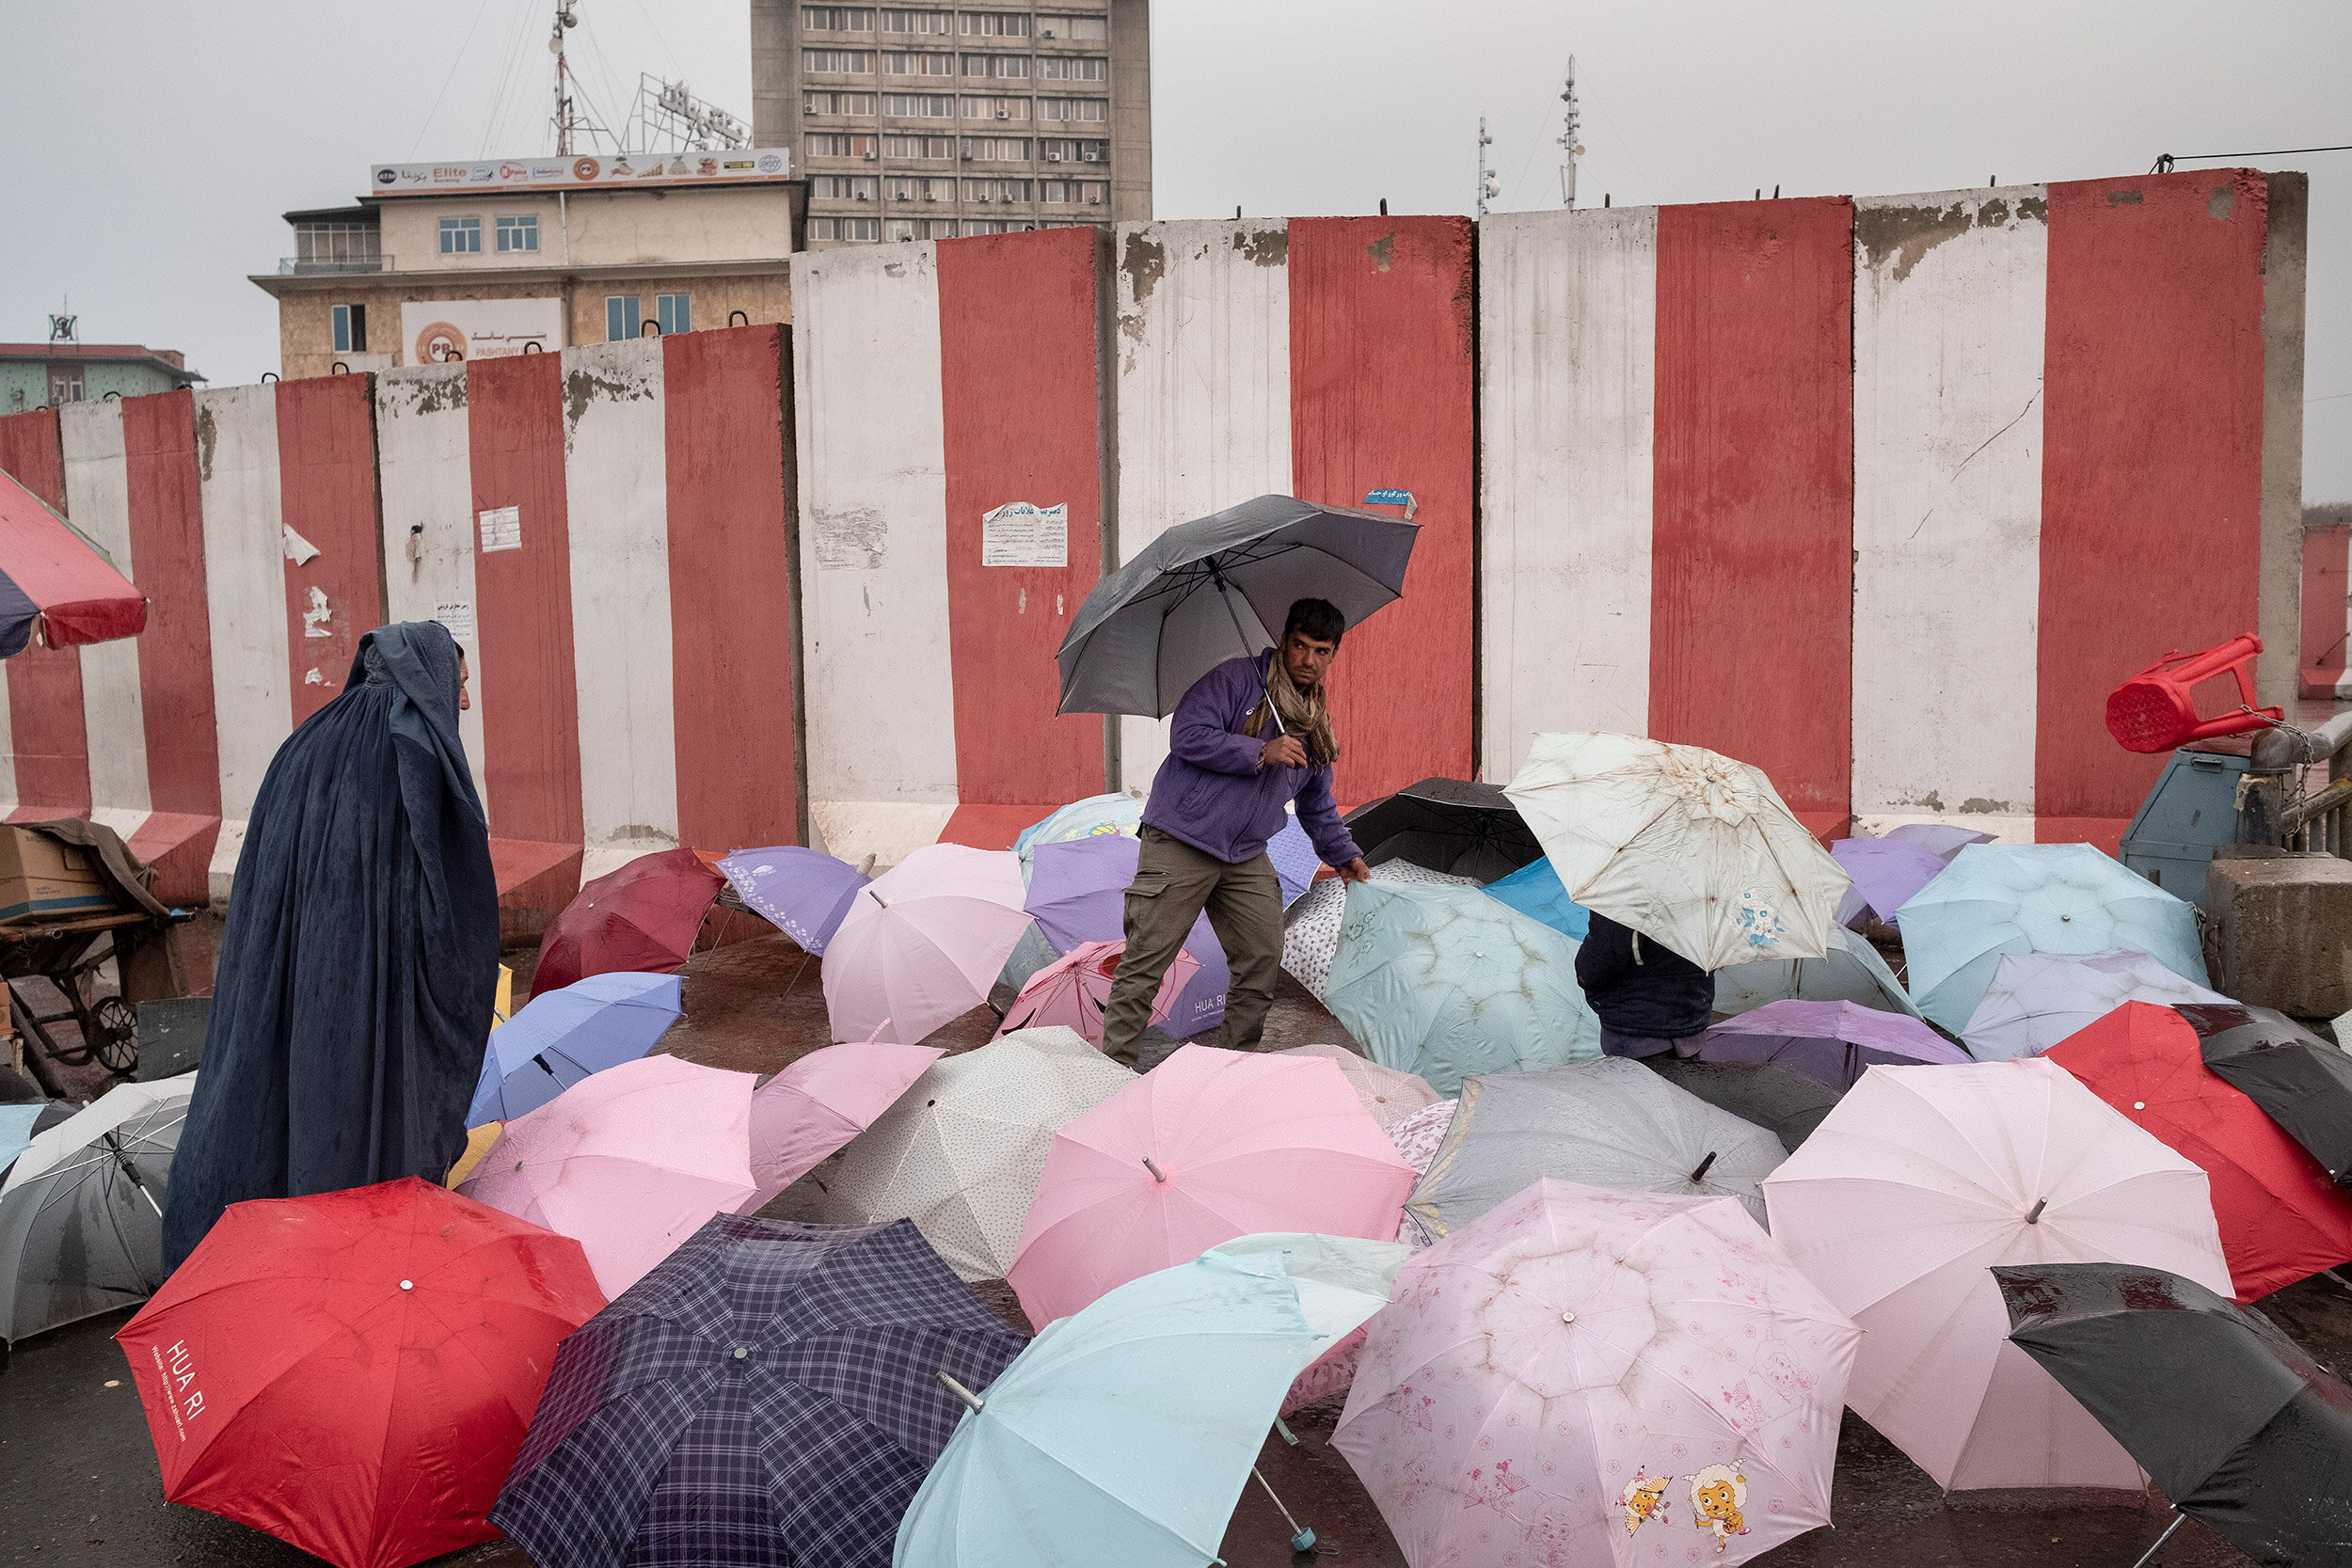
[[922, 943], [1851, 972], [1693, 850], [2036, 1000], [1834, 1041], [350, 1371], [959, 1154], [1208, 1146], [770, 1394], [1919, 1182], [1220, 588], [819, 1102], [2282, 1218], [1941, 839], [1444, 982], [1058, 1466], [1342, 1281], [2301, 1081], [628, 1162], [1310, 931], [1784, 1103], [802, 892], [642, 916], [1608, 1123], [1096, 817], [1078, 894], [561, 1036], [2243, 1430], [53, 574], [81, 1230], [1389, 1095], [1588, 1377], [1535, 890], [1886, 872], [1997, 899], [1447, 825], [1076, 989]]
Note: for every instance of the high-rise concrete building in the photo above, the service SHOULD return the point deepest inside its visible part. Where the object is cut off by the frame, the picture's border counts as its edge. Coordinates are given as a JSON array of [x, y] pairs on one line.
[[929, 123]]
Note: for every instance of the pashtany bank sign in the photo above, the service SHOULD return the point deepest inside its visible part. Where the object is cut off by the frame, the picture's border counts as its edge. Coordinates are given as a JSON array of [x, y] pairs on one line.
[[441, 331], [608, 170]]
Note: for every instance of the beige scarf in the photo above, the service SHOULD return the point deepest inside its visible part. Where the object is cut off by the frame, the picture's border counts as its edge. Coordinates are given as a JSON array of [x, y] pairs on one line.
[[1307, 717]]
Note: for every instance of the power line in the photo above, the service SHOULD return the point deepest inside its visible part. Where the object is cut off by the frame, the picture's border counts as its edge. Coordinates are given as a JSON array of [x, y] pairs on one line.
[[454, 64], [2329, 397], [2166, 160]]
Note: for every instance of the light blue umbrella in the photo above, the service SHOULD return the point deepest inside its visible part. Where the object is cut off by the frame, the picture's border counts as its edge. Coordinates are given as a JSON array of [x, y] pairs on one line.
[[1997, 899], [561, 1036], [1446, 981], [1852, 971], [1095, 816], [1125, 1434], [1535, 890]]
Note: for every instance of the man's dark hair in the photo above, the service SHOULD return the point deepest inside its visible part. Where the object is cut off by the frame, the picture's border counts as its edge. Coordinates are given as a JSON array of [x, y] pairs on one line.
[[1318, 618]]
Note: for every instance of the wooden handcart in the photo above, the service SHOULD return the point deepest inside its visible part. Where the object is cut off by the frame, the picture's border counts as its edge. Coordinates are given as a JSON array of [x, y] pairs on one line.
[[66, 953]]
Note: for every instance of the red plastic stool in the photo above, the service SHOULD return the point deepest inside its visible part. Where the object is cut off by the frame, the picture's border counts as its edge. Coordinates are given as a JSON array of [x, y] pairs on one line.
[[2152, 711]]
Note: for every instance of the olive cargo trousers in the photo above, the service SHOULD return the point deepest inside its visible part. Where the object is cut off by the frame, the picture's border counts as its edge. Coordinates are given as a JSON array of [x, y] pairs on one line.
[[1173, 883]]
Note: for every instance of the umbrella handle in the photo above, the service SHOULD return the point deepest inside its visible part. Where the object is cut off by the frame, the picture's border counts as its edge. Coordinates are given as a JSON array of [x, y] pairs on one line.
[[966, 1395], [1302, 1539], [1224, 594]]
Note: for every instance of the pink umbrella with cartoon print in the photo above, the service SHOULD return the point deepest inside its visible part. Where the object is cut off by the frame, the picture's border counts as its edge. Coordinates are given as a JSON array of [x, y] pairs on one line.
[[1584, 1376], [1074, 990]]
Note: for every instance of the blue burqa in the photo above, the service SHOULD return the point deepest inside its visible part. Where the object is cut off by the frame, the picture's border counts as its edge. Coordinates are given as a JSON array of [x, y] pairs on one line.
[[360, 959]]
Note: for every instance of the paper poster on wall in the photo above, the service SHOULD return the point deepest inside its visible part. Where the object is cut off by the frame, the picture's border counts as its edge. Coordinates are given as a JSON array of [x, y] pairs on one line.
[[1020, 534], [442, 331], [457, 616], [503, 528]]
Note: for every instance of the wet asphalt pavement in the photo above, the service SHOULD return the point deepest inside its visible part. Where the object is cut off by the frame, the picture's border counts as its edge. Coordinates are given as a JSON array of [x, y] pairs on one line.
[[79, 1484]]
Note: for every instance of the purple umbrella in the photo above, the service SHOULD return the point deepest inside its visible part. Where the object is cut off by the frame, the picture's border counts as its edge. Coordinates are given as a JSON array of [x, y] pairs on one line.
[[1886, 872], [1833, 1042], [1078, 893], [802, 892], [1940, 839]]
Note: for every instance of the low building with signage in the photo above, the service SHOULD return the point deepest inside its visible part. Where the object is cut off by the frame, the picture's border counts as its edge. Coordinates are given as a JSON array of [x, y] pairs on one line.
[[441, 262], [44, 375]]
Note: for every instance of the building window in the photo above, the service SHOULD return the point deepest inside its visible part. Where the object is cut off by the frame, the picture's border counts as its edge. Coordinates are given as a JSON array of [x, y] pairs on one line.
[[461, 236], [1072, 108], [996, 108], [518, 231], [920, 106], [996, 25], [837, 104], [828, 145], [1071, 68], [939, 23], [896, 62], [897, 228], [841, 187], [840, 62], [65, 385], [996, 65], [997, 150], [337, 242], [842, 229], [929, 148], [351, 329], [837, 18], [674, 313], [996, 190], [620, 318], [1086, 29], [919, 187], [934, 229], [1060, 150]]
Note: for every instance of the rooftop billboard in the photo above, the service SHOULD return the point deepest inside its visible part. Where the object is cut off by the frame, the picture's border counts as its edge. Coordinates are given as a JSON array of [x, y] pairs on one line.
[[603, 169]]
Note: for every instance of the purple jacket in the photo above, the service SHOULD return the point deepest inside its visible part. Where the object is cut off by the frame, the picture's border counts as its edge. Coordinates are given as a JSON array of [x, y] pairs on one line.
[[1210, 792]]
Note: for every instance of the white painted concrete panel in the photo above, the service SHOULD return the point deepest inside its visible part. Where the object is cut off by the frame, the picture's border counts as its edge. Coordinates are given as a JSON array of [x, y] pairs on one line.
[[1949, 308], [244, 582], [424, 474], [616, 497], [1204, 391], [9, 795], [97, 498], [871, 427], [1567, 342]]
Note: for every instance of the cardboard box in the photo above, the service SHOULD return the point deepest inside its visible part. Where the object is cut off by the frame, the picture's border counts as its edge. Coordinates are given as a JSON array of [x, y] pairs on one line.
[[43, 880]]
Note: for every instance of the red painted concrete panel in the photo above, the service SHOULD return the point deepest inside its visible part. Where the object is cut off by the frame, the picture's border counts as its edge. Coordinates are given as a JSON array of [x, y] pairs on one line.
[[726, 448], [1019, 395], [167, 528], [45, 720], [326, 489], [523, 604], [1751, 596], [2151, 462], [2326, 607], [1381, 376]]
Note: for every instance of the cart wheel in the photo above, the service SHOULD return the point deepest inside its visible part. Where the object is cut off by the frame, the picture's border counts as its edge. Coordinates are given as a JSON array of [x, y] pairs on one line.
[[116, 1027]]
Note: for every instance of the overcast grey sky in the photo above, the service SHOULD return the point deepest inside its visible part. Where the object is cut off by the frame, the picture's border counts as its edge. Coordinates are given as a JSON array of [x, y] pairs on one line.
[[158, 143]]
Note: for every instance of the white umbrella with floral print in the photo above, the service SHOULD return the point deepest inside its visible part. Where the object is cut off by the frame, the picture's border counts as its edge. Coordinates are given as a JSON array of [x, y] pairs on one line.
[[1582, 1376]]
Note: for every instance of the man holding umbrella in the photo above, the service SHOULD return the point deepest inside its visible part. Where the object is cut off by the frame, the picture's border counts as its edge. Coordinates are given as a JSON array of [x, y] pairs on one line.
[[1249, 737]]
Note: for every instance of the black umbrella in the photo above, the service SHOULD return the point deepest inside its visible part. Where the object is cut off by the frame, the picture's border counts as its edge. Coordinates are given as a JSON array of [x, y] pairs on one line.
[[1448, 825], [1787, 1103], [2303, 1082], [2235, 1420], [1219, 587]]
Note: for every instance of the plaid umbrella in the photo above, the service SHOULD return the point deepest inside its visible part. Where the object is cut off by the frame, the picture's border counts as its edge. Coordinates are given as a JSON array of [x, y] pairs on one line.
[[769, 1394]]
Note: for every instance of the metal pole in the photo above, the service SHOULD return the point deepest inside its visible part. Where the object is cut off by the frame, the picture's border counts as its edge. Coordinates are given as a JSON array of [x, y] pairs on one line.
[[2177, 1517], [1224, 590], [1302, 1538]]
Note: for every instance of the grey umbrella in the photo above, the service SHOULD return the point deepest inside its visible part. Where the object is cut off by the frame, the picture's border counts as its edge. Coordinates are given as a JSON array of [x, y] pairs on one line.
[[1208, 590], [2301, 1081]]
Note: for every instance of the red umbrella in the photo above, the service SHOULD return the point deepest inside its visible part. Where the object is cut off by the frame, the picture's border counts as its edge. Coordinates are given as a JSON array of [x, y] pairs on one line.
[[2282, 1219], [51, 572], [642, 916], [353, 1371]]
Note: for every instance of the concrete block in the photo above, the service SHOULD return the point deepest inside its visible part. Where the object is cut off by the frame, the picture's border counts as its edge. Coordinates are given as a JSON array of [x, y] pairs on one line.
[[2282, 928]]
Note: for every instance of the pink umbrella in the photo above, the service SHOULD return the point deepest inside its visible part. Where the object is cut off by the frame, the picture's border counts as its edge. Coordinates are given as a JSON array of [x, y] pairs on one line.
[[923, 942], [1075, 987], [1208, 1146], [1390, 1096], [628, 1162], [819, 1103]]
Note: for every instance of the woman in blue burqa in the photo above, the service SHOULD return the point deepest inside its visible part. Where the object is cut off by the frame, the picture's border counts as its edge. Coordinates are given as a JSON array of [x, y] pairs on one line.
[[360, 959]]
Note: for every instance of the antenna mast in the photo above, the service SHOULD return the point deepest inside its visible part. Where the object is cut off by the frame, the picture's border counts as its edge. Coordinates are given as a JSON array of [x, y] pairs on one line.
[[1489, 183], [566, 118], [1571, 149]]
